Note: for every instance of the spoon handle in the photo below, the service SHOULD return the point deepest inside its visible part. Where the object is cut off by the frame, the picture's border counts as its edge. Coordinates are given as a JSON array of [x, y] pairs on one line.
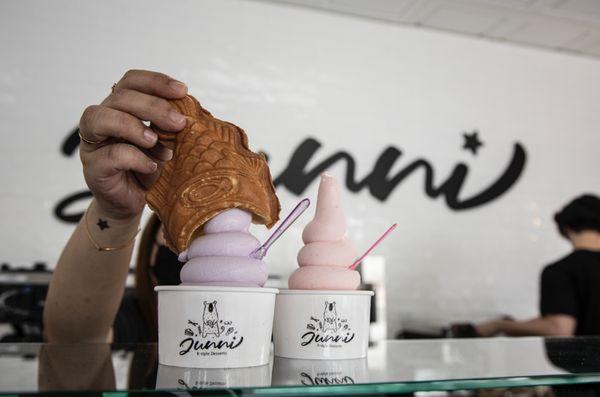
[[261, 251], [372, 247]]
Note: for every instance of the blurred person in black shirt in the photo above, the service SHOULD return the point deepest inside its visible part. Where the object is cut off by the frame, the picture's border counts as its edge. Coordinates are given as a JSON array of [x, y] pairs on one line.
[[570, 287]]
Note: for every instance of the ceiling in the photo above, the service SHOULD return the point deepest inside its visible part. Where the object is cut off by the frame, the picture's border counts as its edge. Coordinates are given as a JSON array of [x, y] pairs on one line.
[[561, 25]]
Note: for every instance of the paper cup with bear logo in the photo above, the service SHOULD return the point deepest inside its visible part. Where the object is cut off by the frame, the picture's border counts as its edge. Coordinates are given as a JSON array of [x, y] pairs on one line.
[[180, 378], [214, 327], [311, 324]]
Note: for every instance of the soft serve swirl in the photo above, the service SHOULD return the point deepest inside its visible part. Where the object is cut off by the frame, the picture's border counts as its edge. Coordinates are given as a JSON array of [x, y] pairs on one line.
[[220, 256], [327, 253]]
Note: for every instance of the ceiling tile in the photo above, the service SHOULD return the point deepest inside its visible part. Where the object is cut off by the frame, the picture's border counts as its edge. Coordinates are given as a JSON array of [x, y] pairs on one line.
[[548, 33], [580, 7], [462, 19], [507, 3], [567, 25], [585, 41], [508, 26], [386, 9]]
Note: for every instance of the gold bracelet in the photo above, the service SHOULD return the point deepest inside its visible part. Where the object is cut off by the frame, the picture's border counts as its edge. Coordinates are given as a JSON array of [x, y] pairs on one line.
[[97, 246]]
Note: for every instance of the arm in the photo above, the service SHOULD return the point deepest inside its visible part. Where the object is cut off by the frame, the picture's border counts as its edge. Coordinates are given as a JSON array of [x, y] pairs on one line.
[[550, 325], [75, 367], [121, 159], [87, 285], [558, 308]]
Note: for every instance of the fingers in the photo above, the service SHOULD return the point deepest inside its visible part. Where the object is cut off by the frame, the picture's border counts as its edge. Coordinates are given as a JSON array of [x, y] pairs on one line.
[[139, 96], [146, 180], [98, 123], [112, 159], [161, 153], [152, 83], [146, 107]]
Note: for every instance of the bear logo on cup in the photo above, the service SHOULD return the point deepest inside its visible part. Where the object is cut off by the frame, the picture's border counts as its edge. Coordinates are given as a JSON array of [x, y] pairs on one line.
[[210, 319], [330, 317]]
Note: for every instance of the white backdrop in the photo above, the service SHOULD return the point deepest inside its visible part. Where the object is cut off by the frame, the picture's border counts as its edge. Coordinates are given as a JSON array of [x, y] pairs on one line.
[[286, 74]]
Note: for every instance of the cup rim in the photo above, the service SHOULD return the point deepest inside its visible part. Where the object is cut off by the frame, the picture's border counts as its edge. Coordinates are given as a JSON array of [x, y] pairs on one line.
[[213, 288], [324, 292]]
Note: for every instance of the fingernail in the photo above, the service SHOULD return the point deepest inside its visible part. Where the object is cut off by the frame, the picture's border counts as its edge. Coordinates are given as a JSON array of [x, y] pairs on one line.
[[150, 136], [176, 117], [178, 85], [169, 155], [152, 165]]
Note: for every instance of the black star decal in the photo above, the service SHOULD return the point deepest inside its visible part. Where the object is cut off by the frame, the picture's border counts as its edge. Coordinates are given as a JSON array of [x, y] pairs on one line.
[[102, 224], [472, 142]]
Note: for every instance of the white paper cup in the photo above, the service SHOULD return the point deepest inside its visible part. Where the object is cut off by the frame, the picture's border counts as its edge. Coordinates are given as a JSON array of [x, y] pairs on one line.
[[212, 378], [318, 325], [291, 371], [214, 327]]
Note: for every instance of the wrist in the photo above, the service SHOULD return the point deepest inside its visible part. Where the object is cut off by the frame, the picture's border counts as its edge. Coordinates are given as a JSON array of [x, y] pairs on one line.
[[99, 209], [488, 328], [497, 327], [107, 233]]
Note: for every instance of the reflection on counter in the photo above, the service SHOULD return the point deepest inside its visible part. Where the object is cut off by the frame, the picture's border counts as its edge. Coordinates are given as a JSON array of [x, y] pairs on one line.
[[94, 366], [210, 378], [409, 365], [288, 371], [75, 367]]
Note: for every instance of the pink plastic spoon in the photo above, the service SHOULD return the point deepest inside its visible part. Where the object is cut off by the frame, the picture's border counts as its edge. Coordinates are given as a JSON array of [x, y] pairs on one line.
[[372, 247], [261, 251]]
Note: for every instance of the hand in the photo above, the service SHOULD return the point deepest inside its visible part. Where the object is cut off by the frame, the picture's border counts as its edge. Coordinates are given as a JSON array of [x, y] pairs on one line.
[[126, 159], [486, 329], [491, 328]]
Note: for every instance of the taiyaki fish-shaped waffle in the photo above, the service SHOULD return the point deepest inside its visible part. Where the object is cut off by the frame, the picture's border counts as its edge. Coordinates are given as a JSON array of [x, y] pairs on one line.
[[212, 170]]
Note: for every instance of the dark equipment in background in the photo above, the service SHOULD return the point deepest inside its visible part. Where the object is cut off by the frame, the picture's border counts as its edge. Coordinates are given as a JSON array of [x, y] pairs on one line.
[[22, 294]]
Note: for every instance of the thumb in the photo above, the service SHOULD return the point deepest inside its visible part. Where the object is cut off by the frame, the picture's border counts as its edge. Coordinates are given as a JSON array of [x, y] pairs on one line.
[[146, 181]]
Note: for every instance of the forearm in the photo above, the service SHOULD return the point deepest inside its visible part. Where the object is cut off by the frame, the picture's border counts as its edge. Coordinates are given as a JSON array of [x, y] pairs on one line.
[[87, 285], [541, 326]]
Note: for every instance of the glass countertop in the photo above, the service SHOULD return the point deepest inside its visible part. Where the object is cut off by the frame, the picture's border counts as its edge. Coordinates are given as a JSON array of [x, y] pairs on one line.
[[399, 366]]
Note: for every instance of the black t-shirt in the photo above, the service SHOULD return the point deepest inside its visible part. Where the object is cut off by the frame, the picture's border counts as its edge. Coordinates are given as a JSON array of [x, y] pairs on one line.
[[572, 286], [129, 325]]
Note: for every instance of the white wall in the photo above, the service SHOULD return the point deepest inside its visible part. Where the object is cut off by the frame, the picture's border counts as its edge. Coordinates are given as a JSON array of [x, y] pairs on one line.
[[287, 73]]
